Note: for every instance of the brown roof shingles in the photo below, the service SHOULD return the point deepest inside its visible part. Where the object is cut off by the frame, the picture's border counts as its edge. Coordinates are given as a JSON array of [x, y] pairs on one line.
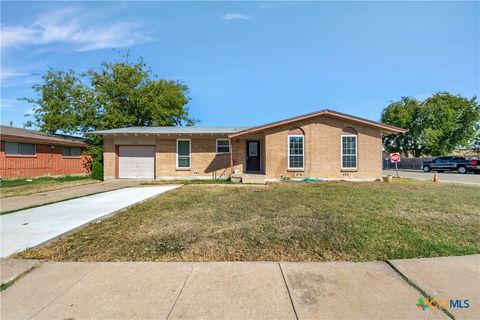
[[325, 112], [19, 134]]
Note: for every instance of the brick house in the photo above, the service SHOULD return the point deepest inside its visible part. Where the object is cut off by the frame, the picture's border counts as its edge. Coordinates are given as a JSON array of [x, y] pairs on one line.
[[28, 153], [324, 144]]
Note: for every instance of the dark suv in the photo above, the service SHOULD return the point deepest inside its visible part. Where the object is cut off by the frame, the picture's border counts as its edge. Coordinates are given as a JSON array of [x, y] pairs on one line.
[[441, 164]]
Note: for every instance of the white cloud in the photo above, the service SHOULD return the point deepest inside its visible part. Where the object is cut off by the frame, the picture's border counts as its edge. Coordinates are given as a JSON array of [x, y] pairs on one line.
[[234, 16], [29, 112], [10, 77], [10, 103], [68, 26], [8, 73], [5, 104]]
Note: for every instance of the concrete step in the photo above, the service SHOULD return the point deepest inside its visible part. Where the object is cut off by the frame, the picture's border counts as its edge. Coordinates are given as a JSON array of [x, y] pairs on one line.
[[253, 178]]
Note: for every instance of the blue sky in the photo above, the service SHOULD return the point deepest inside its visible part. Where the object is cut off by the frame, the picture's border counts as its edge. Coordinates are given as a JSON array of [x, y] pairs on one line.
[[252, 62]]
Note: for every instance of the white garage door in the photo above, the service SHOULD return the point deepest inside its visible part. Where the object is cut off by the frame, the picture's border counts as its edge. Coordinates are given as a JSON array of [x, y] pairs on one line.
[[136, 162]]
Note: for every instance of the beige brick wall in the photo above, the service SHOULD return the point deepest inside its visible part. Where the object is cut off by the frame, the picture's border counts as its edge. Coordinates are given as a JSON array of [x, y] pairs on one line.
[[205, 162], [322, 153], [239, 149], [109, 158], [322, 150]]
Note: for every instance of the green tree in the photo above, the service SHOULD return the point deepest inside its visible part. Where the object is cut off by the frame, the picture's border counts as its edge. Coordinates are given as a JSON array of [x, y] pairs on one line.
[[406, 114], [63, 103], [451, 122], [121, 94], [436, 126]]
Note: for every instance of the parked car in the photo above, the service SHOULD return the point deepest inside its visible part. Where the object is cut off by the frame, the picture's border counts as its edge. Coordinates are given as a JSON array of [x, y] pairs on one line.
[[441, 164], [475, 168]]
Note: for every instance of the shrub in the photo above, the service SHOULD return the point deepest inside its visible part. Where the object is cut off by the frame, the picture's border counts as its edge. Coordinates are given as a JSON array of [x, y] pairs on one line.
[[97, 170]]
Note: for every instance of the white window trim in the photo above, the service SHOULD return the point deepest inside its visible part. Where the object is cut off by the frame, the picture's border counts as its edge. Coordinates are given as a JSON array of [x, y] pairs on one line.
[[229, 146], [303, 151], [189, 154], [356, 152], [18, 154]]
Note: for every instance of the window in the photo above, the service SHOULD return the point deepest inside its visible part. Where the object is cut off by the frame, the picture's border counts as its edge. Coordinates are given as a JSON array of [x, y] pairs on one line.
[[183, 154], [349, 152], [223, 146], [19, 149], [70, 152], [295, 152], [253, 148]]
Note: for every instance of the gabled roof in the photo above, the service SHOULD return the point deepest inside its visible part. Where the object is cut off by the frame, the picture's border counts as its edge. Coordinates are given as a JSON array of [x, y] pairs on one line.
[[325, 112], [19, 134], [235, 131], [172, 130]]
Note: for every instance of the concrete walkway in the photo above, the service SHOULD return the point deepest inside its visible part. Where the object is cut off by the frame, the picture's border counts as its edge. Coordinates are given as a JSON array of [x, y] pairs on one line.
[[242, 290], [32, 227], [446, 177], [17, 203]]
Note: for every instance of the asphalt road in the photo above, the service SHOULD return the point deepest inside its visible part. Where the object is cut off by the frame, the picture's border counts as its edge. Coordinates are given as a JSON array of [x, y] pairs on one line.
[[450, 177]]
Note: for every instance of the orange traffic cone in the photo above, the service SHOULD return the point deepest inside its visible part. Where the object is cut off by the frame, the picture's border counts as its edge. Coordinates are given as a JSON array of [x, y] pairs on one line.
[[435, 178]]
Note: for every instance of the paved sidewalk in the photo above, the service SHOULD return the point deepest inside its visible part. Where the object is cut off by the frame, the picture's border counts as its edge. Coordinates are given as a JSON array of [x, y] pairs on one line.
[[17, 203], [12, 268], [31, 227], [235, 290], [446, 278], [446, 177]]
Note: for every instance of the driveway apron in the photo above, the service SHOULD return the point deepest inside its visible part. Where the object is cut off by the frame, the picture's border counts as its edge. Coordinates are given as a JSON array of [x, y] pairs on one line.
[[32, 227]]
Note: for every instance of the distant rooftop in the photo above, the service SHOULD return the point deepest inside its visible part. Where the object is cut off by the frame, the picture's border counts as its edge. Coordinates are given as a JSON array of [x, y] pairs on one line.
[[173, 130], [12, 133]]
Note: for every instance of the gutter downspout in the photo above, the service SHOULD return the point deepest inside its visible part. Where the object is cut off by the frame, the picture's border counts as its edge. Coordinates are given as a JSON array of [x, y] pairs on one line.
[[231, 159]]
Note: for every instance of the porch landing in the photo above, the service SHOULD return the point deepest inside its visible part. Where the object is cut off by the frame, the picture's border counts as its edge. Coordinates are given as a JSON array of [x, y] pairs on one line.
[[249, 178]]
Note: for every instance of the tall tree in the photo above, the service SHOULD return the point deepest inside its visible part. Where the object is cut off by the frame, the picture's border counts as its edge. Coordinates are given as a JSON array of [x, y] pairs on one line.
[[121, 94], [63, 103], [406, 114], [451, 122], [436, 126]]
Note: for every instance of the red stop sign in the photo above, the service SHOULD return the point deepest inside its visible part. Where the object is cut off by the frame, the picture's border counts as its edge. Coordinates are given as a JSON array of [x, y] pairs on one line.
[[395, 157]]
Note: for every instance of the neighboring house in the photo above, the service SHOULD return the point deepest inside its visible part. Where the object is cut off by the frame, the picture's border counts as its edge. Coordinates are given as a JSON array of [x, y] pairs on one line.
[[29, 153], [324, 144]]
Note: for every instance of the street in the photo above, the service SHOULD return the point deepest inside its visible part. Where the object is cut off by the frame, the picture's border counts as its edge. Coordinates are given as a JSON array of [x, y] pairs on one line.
[[450, 177]]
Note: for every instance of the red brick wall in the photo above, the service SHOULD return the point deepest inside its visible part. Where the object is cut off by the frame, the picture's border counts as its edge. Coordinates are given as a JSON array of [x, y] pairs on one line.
[[45, 162]]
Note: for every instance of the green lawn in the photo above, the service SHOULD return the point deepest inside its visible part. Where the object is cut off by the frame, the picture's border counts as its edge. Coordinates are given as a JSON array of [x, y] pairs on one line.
[[288, 221], [21, 187]]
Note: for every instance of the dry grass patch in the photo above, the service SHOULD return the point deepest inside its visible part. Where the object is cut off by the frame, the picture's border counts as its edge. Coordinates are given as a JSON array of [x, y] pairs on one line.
[[290, 221], [24, 187]]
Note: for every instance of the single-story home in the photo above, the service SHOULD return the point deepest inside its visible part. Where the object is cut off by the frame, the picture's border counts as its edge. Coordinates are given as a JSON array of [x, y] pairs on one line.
[[28, 153], [324, 144]]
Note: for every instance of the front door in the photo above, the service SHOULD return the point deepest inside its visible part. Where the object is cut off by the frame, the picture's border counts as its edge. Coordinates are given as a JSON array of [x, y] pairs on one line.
[[253, 156]]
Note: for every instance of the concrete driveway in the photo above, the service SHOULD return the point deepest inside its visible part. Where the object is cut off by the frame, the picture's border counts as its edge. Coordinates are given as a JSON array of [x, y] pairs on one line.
[[244, 290], [29, 228], [448, 177]]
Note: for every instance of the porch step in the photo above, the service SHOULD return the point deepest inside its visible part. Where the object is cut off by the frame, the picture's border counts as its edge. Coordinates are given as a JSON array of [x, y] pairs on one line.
[[253, 178]]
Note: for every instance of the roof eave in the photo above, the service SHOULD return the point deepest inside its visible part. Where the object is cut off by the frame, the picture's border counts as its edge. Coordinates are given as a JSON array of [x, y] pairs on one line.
[[156, 133], [46, 140], [396, 131], [385, 128]]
